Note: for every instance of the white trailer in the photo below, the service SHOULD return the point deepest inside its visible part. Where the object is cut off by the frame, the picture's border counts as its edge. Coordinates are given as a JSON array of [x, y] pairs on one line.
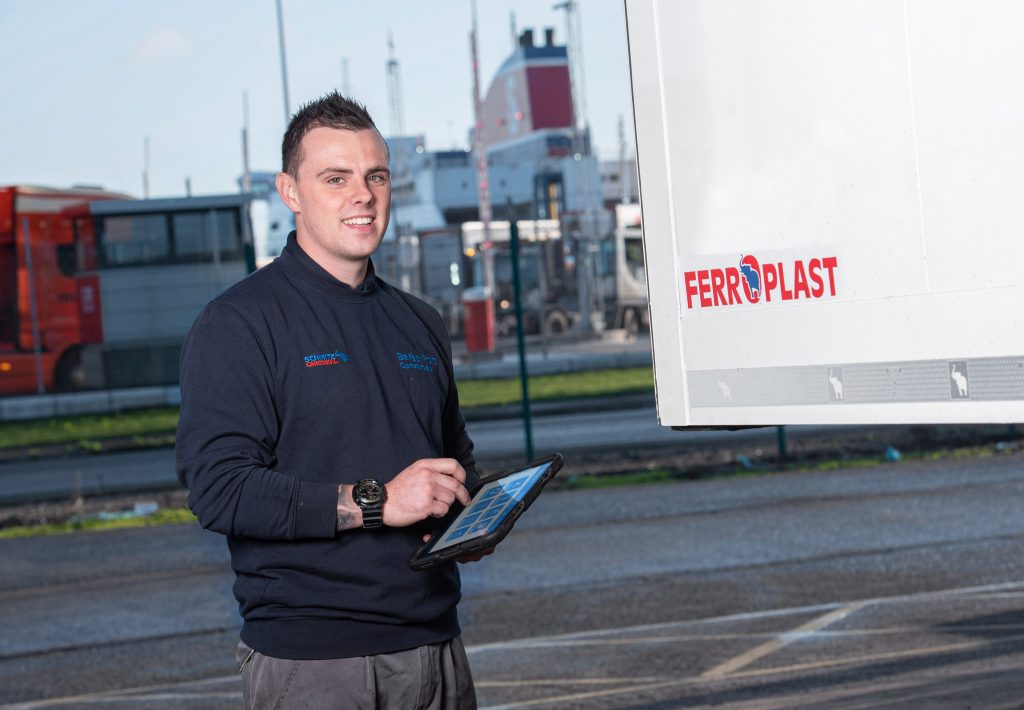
[[833, 208]]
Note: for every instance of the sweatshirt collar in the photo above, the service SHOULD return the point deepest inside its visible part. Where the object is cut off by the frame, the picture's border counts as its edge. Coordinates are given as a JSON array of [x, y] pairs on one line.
[[296, 261]]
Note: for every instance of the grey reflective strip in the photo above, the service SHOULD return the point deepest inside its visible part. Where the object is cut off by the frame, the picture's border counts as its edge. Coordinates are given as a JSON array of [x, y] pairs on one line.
[[983, 379]]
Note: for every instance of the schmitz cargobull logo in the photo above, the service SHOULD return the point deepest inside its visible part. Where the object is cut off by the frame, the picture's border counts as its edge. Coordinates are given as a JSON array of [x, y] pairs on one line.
[[753, 282]]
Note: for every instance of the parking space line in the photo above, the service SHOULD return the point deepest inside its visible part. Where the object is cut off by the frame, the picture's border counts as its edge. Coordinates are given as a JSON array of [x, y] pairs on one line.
[[572, 638], [876, 657], [781, 641], [527, 683], [1002, 595], [132, 694], [733, 669], [558, 700], [133, 700], [738, 667]]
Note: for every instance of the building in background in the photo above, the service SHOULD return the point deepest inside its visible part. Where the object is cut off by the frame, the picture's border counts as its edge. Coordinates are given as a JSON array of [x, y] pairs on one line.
[[530, 135], [540, 168]]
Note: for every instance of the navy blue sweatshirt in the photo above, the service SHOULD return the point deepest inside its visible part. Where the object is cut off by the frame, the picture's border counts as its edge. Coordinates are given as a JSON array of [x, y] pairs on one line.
[[292, 383]]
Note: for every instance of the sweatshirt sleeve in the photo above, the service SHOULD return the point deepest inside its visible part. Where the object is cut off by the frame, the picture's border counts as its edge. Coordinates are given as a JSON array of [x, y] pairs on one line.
[[227, 433]]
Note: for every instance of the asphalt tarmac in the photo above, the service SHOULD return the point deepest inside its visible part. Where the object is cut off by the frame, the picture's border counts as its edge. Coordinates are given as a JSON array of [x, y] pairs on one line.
[[900, 586]]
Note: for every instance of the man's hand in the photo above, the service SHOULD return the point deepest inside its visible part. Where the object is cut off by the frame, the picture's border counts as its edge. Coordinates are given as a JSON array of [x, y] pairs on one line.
[[426, 489]]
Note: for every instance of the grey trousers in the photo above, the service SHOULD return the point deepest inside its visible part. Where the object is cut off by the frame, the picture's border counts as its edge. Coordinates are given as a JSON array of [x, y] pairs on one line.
[[426, 678]]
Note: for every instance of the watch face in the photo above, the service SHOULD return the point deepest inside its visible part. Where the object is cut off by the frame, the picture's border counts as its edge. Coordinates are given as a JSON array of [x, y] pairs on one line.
[[368, 492]]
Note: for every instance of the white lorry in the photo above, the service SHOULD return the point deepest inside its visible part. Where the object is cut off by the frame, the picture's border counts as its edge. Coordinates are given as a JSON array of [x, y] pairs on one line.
[[833, 208]]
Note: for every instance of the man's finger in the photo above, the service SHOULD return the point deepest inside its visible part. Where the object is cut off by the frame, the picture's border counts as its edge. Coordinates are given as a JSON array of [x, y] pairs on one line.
[[445, 495], [455, 487], [448, 467]]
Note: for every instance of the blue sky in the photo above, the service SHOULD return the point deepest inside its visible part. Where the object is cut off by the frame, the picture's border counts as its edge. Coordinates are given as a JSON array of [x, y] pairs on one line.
[[84, 83]]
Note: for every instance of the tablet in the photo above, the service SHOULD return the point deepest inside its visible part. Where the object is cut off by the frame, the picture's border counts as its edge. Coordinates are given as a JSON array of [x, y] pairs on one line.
[[496, 503]]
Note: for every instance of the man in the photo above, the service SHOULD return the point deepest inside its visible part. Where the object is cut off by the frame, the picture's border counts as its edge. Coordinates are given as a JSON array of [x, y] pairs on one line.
[[320, 432]]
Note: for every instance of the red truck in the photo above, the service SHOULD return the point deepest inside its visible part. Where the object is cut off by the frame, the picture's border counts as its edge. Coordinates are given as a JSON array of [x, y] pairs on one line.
[[98, 289], [49, 290]]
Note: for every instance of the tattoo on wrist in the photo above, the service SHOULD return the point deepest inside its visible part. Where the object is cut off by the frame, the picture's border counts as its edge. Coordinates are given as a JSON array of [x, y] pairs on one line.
[[346, 520], [346, 516]]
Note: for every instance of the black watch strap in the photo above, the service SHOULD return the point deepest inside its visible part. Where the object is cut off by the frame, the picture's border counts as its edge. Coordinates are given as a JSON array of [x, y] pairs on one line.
[[373, 516]]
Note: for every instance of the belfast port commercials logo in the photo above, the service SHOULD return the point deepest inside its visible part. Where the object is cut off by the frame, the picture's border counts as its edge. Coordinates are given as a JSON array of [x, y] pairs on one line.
[[751, 281]]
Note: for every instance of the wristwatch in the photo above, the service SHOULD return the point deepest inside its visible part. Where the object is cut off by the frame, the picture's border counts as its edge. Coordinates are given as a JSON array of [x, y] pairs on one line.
[[369, 494]]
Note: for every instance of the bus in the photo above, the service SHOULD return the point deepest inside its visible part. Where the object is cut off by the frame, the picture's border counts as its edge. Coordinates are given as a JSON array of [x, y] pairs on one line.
[[98, 290]]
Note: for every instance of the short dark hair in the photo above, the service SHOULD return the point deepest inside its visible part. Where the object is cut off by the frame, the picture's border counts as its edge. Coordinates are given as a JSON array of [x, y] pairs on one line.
[[329, 111]]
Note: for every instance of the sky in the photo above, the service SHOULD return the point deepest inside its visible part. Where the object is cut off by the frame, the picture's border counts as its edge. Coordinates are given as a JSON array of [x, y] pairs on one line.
[[85, 83]]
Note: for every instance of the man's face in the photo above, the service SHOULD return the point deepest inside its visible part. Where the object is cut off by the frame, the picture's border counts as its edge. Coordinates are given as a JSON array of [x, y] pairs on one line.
[[341, 197]]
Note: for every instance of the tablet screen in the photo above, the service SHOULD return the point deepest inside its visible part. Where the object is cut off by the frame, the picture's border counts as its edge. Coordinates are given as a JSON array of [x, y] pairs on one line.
[[489, 507]]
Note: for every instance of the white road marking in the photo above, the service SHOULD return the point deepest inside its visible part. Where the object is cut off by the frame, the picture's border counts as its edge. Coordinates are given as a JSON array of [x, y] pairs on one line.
[[881, 656], [172, 691], [562, 681], [781, 641], [557, 701], [732, 669], [163, 691], [571, 639]]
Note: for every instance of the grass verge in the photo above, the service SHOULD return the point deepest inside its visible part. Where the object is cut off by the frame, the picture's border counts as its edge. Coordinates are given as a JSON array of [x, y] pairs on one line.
[[571, 385], [83, 428], [164, 516]]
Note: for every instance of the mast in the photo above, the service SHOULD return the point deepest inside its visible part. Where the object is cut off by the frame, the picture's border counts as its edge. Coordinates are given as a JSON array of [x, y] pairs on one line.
[[480, 151]]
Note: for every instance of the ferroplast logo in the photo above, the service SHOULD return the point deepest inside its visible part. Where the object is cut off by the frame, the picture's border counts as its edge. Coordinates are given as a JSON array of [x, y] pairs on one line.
[[753, 282]]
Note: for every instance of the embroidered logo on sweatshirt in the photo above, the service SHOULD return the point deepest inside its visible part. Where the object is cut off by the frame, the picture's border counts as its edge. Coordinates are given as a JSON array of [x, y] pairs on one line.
[[410, 361], [325, 359]]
